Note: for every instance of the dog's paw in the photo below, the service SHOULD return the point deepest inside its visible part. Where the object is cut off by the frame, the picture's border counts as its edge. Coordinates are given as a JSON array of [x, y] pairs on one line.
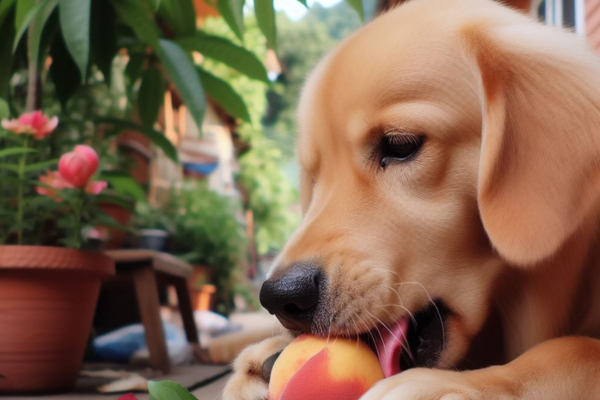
[[252, 369], [431, 384]]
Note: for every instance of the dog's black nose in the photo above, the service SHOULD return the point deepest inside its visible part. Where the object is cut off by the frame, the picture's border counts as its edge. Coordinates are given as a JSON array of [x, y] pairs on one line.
[[293, 297]]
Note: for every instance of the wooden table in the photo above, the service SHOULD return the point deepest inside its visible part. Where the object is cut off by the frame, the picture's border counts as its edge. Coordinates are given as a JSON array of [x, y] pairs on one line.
[[145, 267]]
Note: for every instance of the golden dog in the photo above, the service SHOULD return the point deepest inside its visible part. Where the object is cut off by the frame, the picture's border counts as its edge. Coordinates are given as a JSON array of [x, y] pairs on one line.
[[450, 155]]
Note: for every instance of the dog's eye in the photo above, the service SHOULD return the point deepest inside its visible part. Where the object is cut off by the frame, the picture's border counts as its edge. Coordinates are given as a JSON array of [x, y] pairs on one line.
[[399, 147]]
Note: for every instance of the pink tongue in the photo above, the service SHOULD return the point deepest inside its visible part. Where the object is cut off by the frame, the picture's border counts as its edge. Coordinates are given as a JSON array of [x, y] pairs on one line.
[[389, 347]]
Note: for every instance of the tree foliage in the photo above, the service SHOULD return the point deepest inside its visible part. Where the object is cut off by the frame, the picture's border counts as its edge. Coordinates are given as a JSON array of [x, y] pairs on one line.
[[301, 45]]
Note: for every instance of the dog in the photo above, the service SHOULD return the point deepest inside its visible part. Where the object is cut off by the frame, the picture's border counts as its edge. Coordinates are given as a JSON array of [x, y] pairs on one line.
[[450, 157]]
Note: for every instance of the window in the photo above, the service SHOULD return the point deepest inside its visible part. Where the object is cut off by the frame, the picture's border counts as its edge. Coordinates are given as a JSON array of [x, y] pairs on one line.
[[565, 13]]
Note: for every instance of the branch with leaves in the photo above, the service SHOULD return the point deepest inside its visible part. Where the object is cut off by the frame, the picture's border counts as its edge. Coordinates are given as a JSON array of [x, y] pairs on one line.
[[158, 36]]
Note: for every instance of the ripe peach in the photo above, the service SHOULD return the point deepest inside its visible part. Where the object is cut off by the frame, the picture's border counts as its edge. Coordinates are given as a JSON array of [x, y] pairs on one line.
[[317, 368]]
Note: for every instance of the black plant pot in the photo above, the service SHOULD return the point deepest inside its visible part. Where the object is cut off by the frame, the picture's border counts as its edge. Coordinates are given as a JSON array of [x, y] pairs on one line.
[[153, 239], [94, 244]]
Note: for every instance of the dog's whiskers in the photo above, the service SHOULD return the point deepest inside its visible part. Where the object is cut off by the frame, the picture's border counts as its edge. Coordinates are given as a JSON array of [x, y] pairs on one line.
[[329, 328], [401, 305], [404, 338], [411, 315], [436, 309], [430, 299], [357, 330], [403, 342]]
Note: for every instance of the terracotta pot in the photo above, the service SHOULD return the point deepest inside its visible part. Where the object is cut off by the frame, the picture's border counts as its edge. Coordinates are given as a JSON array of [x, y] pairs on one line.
[[201, 291], [48, 297], [201, 275], [203, 299]]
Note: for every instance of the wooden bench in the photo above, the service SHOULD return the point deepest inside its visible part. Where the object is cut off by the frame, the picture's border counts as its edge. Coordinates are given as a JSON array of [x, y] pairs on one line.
[[145, 268]]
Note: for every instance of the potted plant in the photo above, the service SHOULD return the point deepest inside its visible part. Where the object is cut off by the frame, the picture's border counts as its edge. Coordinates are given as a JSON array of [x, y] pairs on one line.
[[153, 227], [48, 285], [208, 233]]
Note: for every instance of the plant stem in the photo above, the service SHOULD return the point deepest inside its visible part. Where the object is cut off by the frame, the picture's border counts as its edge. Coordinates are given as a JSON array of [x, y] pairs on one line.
[[21, 183], [77, 210]]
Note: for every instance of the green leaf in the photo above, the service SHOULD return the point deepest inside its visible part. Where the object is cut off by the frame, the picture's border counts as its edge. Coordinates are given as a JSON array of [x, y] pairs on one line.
[[222, 92], [41, 165], [63, 71], [182, 72], [154, 4], [303, 2], [5, 7], [168, 390], [26, 11], [12, 151], [75, 26], [38, 23], [103, 219], [151, 95], [225, 51], [9, 167], [134, 66], [124, 184], [4, 111], [232, 12], [357, 5], [180, 15], [265, 16], [134, 14], [103, 37], [23, 8], [39, 201], [156, 137]]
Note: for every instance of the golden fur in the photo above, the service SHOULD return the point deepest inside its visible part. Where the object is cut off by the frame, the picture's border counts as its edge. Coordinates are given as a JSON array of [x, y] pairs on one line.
[[497, 214]]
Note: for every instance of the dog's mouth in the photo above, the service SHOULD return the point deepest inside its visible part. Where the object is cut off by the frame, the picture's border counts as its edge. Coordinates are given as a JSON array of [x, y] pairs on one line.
[[413, 341]]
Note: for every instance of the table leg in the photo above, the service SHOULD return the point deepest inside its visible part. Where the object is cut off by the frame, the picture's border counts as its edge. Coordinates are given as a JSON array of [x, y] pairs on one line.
[[185, 308], [147, 296]]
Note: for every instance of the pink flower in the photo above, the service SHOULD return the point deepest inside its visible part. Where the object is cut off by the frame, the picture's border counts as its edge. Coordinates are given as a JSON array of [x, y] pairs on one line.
[[53, 181], [78, 166], [128, 396], [95, 187], [35, 123]]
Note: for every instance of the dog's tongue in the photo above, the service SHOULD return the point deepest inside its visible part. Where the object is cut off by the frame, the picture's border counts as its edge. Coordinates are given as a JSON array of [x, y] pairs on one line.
[[389, 347]]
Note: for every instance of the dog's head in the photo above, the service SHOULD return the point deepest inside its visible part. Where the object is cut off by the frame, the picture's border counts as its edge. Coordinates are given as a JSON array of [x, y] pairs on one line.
[[442, 144]]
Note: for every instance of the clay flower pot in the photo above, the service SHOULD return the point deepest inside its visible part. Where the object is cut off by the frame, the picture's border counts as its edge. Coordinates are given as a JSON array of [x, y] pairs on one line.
[[201, 290], [48, 297]]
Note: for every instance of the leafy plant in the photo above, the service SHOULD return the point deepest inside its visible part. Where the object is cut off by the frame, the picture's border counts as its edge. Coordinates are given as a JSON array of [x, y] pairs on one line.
[[65, 198], [148, 217], [159, 38], [270, 195], [207, 232]]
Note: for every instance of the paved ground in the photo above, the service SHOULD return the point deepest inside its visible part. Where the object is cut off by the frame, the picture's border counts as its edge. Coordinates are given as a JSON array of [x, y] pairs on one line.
[[212, 391], [209, 391]]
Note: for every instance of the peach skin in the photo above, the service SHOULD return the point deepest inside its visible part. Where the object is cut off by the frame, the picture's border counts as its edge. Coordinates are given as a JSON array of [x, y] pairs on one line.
[[318, 368]]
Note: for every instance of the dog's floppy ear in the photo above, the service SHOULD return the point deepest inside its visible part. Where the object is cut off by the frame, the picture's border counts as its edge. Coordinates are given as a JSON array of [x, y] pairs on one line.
[[539, 172]]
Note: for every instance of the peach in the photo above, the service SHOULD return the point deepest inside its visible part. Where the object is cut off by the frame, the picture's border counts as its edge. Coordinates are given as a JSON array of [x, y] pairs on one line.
[[317, 368]]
